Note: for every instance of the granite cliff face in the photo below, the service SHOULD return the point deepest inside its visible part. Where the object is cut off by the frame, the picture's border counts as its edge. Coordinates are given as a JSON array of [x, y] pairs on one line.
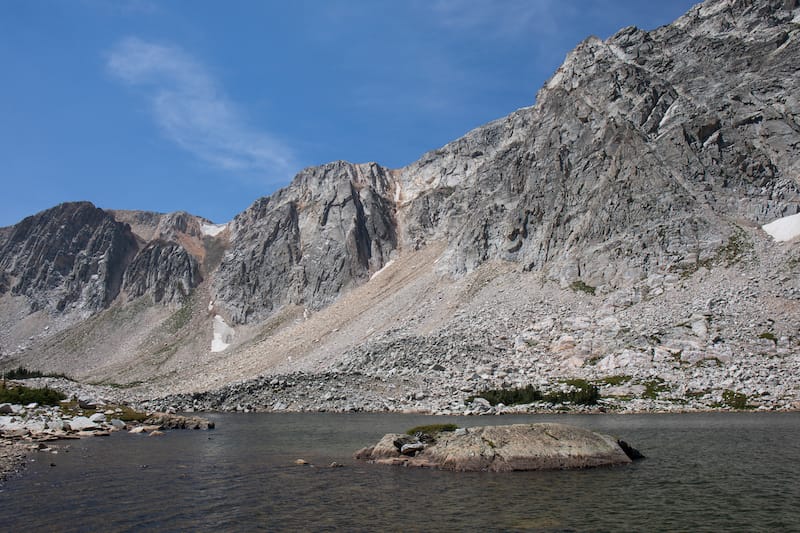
[[643, 153], [71, 255], [163, 269], [614, 228], [306, 244], [76, 257]]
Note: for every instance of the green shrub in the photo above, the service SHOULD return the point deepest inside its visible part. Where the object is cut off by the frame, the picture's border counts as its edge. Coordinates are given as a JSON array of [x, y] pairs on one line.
[[22, 373], [769, 336], [432, 429], [653, 388], [734, 400], [527, 394], [615, 380], [24, 395], [582, 287], [581, 392]]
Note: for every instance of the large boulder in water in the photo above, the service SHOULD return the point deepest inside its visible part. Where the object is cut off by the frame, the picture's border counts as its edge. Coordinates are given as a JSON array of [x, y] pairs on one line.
[[506, 448]]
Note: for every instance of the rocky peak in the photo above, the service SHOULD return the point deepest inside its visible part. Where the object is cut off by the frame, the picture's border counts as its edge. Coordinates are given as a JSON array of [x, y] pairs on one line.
[[71, 255], [644, 153], [332, 227]]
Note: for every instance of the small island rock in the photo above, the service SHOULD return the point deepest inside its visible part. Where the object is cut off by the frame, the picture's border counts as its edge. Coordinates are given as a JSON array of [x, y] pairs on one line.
[[505, 448]]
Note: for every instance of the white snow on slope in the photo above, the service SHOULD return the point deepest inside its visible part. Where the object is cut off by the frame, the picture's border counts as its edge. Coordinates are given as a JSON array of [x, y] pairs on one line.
[[387, 265], [223, 335], [212, 230], [784, 229]]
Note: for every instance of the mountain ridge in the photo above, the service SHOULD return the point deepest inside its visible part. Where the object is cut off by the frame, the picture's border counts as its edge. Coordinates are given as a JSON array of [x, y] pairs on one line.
[[647, 165]]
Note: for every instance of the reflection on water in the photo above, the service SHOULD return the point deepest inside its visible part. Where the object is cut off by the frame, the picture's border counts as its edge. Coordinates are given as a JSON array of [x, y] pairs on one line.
[[714, 472]]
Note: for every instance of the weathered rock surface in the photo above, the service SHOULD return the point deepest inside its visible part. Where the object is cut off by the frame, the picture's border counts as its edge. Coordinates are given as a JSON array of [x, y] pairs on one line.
[[163, 269], [503, 449], [71, 255], [45, 423], [309, 242], [644, 154]]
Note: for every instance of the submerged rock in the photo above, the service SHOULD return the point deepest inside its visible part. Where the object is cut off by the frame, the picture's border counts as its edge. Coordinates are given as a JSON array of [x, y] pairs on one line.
[[506, 448]]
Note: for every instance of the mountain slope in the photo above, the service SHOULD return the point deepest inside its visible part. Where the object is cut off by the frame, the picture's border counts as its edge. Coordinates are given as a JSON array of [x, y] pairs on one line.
[[632, 160], [612, 230]]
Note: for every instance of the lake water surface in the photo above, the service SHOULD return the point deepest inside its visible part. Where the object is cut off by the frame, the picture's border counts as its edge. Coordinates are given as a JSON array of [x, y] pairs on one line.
[[703, 472]]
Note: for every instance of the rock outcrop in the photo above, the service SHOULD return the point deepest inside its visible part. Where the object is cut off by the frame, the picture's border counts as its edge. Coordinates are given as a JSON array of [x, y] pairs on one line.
[[502, 449], [72, 255], [76, 256], [163, 269], [644, 153], [309, 242]]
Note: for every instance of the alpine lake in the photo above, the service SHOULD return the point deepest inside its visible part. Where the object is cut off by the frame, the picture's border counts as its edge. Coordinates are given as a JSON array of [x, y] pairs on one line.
[[702, 472]]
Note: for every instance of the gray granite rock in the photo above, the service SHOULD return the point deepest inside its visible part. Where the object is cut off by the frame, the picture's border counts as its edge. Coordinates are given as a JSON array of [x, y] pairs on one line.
[[506, 448]]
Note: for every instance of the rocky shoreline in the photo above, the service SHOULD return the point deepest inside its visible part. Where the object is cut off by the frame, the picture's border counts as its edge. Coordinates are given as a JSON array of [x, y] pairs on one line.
[[12, 458], [25, 429], [28, 429], [341, 393]]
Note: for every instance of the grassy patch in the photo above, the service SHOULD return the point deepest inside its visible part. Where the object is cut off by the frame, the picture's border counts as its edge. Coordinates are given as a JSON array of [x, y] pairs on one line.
[[129, 385], [23, 373], [733, 251], [580, 286], [615, 380], [432, 429], [769, 336], [125, 413], [181, 317], [738, 245], [22, 395], [735, 400], [653, 388]]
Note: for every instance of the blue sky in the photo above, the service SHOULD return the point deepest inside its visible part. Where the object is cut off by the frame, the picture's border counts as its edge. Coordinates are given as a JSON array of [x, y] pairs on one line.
[[205, 106]]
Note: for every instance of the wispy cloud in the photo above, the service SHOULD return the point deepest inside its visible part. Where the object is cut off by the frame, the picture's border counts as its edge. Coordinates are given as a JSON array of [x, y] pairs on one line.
[[506, 19], [192, 110]]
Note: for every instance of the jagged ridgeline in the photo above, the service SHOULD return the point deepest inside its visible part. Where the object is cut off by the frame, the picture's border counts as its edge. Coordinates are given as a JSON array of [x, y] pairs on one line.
[[649, 163]]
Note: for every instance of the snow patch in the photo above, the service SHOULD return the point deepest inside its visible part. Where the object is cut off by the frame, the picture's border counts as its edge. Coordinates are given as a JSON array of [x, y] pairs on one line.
[[387, 265], [223, 335], [212, 230], [784, 229]]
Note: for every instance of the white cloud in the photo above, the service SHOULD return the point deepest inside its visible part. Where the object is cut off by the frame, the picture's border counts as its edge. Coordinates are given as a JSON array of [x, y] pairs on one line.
[[192, 110]]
